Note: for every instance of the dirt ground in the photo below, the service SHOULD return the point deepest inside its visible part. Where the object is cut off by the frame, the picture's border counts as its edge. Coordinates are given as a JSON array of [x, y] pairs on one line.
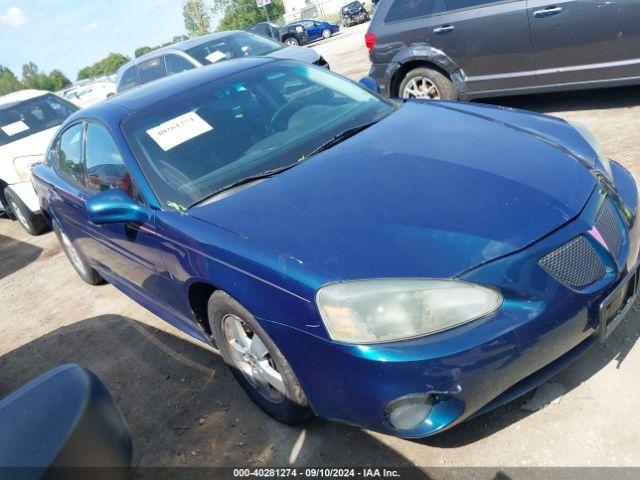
[[184, 408]]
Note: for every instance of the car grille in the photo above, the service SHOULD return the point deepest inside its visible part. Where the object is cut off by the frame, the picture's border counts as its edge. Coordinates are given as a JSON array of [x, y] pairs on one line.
[[575, 264], [607, 224]]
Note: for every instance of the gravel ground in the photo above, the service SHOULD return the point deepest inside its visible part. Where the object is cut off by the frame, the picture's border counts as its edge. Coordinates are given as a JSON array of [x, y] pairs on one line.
[[184, 408]]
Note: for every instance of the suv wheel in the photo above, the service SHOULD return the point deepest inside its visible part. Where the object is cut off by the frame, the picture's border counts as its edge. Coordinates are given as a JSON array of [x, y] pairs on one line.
[[427, 84], [256, 361], [33, 223], [291, 42]]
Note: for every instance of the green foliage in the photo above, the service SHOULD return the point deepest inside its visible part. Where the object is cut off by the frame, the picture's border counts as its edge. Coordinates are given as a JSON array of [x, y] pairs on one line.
[[106, 66], [196, 17], [33, 77], [239, 14], [8, 81]]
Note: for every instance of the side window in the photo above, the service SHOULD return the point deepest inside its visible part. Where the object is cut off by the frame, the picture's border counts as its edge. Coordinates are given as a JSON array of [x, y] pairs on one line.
[[459, 4], [176, 64], [406, 9], [105, 167], [129, 79], [151, 70], [69, 152]]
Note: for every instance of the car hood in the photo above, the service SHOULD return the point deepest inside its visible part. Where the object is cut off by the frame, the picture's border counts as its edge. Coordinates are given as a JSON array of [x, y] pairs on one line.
[[32, 146], [432, 190], [301, 54]]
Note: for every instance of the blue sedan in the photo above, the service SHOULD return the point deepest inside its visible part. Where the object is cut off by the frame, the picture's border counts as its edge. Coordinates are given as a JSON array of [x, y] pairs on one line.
[[403, 266], [317, 30]]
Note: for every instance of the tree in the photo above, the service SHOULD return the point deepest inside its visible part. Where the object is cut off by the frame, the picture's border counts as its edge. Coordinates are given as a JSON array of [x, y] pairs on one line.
[[196, 17], [58, 81], [142, 51], [238, 14], [106, 66], [32, 77], [8, 81]]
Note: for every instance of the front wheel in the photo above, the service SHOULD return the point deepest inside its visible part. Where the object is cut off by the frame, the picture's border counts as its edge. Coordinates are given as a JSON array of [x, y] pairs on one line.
[[326, 33], [33, 223], [255, 361], [427, 84], [291, 42], [77, 260]]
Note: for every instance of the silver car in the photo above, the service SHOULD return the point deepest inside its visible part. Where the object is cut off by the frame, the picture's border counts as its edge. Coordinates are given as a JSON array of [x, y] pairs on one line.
[[200, 51]]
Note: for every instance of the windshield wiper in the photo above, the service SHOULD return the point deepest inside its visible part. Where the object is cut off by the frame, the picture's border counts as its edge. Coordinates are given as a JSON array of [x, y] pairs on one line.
[[341, 137], [245, 180]]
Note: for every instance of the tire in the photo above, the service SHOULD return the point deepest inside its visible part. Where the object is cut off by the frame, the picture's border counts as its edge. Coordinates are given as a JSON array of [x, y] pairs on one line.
[[77, 259], [291, 42], [290, 404], [428, 82], [326, 33], [33, 223]]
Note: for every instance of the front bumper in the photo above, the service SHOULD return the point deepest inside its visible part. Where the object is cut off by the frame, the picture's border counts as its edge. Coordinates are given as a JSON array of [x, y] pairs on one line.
[[541, 327]]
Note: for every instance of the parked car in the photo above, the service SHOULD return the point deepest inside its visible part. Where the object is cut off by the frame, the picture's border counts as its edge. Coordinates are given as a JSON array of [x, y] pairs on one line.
[[91, 93], [348, 254], [316, 29], [472, 49], [353, 13], [206, 50], [290, 35], [28, 122]]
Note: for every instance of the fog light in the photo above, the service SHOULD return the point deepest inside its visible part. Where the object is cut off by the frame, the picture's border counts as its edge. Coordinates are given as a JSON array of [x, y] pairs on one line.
[[406, 413]]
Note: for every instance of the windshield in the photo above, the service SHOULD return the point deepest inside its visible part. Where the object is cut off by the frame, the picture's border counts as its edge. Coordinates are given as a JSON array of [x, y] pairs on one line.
[[201, 141], [32, 116], [242, 44]]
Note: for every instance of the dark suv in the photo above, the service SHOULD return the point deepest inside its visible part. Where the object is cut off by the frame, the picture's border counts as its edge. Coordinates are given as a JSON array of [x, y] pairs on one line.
[[290, 35], [478, 48]]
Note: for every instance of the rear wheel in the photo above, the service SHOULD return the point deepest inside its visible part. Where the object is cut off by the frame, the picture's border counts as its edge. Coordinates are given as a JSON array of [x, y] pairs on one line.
[[255, 361], [33, 223], [326, 33], [77, 259], [427, 84]]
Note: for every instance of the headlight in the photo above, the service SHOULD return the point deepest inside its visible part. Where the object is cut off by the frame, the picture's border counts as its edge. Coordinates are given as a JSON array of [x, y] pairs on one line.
[[384, 310], [595, 144], [299, 29], [22, 166]]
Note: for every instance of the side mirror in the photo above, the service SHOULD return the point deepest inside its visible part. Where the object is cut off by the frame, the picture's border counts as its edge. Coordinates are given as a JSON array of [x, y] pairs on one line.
[[369, 83], [63, 425], [115, 206]]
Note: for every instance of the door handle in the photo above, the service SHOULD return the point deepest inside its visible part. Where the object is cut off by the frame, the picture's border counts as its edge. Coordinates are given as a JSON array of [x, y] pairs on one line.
[[444, 29], [547, 12]]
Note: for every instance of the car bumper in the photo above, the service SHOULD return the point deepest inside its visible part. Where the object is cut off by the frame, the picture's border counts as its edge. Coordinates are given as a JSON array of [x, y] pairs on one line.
[[379, 73], [468, 370], [26, 193]]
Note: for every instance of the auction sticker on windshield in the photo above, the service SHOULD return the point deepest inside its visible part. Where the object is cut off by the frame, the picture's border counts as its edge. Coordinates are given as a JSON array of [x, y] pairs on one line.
[[15, 128], [178, 130]]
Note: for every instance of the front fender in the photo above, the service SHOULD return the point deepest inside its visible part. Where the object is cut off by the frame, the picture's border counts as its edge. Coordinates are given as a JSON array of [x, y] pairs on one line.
[[422, 52]]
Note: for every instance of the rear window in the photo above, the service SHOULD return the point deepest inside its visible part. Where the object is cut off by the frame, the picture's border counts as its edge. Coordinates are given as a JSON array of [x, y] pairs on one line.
[[233, 46], [26, 118], [129, 79], [405, 9]]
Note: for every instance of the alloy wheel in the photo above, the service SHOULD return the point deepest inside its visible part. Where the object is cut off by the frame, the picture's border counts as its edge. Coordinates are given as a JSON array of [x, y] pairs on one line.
[[326, 33], [421, 87], [74, 256], [251, 357], [290, 42], [19, 215]]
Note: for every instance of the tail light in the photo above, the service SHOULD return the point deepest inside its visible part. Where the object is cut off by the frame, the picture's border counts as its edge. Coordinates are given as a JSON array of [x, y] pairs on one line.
[[370, 41]]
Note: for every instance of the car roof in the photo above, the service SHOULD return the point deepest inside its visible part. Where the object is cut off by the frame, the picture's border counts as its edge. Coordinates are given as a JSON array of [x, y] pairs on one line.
[[179, 46], [131, 101], [11, 99]]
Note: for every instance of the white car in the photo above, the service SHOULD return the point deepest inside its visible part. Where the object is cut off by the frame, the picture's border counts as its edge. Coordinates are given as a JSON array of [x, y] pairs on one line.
[[28, 121], [91, 93]]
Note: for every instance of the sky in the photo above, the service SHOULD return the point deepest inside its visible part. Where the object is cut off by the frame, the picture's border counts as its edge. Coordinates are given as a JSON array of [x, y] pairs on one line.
[[71, 34]]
